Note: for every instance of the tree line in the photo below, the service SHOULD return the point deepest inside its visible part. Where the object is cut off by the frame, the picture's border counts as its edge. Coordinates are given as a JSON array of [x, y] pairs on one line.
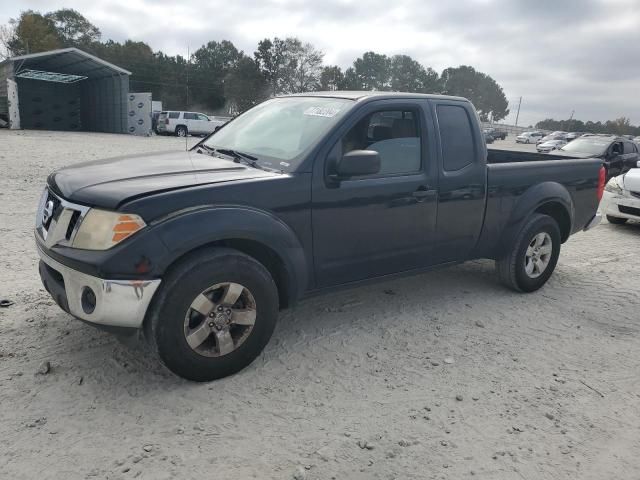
[[619, 126], [218, 77]]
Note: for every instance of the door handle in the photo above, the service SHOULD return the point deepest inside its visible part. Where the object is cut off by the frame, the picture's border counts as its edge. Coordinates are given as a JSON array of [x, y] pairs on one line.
[[422, 193]]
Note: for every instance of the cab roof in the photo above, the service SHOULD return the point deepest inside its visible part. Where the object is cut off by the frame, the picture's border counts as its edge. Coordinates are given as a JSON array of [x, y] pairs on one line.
[[363, 95]]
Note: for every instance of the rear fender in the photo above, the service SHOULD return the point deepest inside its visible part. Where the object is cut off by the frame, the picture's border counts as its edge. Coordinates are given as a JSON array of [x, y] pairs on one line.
[[535, 198]]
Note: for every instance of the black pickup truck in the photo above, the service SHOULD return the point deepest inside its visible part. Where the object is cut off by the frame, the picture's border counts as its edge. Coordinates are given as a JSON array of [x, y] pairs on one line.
[[200, 249]]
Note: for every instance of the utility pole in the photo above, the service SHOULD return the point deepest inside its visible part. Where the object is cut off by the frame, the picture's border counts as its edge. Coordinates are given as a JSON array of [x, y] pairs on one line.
[[570, 118], [518, 114], [187, 83]]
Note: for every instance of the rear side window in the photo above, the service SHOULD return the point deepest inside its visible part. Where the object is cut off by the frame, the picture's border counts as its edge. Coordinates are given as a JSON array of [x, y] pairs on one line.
[[456, 137], [174, 114], [629, 147]]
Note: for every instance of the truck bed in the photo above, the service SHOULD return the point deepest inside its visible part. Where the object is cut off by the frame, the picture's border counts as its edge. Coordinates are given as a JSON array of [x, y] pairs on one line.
[[515, 179], [513, 156]]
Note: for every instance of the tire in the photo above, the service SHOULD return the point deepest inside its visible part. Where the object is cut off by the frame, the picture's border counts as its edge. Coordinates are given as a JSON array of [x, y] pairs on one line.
[[181, 131], [513, 267], [172, 317], [616, 220]]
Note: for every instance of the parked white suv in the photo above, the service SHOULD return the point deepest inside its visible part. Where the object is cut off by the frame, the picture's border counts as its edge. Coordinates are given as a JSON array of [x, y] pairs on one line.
[[529, 137], [188, 123]]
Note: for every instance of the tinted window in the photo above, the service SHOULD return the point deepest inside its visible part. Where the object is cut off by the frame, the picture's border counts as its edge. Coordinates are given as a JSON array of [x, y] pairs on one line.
[[456, 137], [394, 134], [629, 147], [174, 114], [189, 116]]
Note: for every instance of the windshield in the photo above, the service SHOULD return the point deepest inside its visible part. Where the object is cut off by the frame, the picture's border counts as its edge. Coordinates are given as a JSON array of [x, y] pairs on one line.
[[278, 132], [589, 146]]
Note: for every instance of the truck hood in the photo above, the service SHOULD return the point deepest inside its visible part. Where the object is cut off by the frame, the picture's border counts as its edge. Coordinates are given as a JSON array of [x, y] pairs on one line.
[[111, 182]]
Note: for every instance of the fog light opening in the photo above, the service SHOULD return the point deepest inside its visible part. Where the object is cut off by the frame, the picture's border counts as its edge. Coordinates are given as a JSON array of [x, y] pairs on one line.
[[88, 300]]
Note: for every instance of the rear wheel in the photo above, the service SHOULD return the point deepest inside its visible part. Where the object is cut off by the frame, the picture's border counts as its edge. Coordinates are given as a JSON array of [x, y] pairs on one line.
[[214, 315], [616, 220], [533, 256], [181, 131]]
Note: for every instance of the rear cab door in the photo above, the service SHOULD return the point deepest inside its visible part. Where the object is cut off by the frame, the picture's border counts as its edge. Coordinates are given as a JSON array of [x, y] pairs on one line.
[[462, 182]]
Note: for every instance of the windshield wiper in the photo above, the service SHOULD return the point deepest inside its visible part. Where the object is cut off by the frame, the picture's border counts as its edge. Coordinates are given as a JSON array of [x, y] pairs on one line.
[[239, 156], [206, 148]]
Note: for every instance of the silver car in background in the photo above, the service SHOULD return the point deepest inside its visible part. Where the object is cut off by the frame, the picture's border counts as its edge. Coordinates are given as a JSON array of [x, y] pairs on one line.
[[550, 145]]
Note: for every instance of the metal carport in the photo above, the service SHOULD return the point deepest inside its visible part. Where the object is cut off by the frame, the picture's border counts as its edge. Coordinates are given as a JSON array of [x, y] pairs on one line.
[[66, 89]]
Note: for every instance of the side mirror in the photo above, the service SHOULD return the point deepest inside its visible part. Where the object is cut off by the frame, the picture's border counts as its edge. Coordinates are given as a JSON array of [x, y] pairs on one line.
[[358, 163]]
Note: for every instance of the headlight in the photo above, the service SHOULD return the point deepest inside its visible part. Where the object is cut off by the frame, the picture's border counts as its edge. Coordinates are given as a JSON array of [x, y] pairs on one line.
[[101, 229], [613, 187]]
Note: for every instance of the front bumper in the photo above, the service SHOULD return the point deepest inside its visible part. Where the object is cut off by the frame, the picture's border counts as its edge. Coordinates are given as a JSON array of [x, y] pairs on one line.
[[621, 206], [118, 303]]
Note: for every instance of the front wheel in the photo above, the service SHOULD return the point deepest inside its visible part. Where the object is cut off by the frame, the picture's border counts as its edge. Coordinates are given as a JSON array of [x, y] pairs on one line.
[[214, 314], [616, 220], [533, 256]]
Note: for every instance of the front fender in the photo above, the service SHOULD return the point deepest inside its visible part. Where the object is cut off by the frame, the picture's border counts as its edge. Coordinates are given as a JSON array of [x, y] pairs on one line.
[[187, 230]]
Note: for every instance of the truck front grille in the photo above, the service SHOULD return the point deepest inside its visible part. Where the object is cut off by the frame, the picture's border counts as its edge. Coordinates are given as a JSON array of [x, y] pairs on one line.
[[57, 220]]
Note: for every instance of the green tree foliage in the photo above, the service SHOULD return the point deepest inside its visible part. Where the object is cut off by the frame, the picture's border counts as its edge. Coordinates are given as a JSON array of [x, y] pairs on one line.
[[211, 64], [372, 71], [408, 75], [483, 91], [33, 32], [619, 126], [332, 78], [244, 86], [218, 77], [73, 28], [289, 66]]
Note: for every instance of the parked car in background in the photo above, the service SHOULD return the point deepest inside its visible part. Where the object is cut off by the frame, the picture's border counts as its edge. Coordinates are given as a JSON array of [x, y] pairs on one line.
[[529, 137], [496, 134], [619, 154], [573, 135], [550, 145], [621, 199], [488, 138], [187, 123], [202, 248], [553, 136]]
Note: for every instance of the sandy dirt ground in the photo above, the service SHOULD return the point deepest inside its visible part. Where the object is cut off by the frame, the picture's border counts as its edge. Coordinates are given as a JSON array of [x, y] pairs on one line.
[[446, 375]]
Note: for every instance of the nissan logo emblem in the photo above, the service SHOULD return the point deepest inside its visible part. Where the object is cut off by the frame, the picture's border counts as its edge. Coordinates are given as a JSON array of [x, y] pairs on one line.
[[48, 211]]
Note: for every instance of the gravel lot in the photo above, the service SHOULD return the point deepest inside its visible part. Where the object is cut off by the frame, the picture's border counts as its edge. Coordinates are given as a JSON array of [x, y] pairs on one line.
[[361, 384]]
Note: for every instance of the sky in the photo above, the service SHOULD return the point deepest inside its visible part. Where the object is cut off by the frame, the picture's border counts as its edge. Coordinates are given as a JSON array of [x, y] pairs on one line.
[[560, 56]]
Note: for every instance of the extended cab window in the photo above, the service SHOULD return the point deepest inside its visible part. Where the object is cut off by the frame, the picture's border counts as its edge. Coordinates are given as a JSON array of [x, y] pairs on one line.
[[394, 134], [456, 137], [174, 114], [629, 147]]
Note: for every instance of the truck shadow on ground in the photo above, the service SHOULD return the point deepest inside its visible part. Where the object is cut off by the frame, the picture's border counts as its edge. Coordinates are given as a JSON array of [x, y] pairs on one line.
[[348, 313]]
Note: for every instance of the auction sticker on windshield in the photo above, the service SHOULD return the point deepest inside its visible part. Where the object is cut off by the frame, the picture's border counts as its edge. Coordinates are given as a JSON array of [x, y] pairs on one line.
[[322, 111]]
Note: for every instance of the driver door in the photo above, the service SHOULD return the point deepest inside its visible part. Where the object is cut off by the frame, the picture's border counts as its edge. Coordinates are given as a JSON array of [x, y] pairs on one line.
[[376, 224]]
